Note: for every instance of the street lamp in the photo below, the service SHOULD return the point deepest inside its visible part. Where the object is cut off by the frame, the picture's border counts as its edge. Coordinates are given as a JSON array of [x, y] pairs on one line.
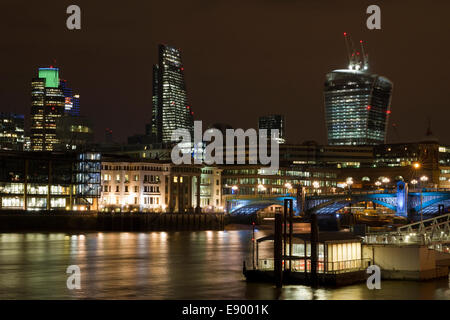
[[423, 179], [261, 187], [316, 186], [349, 183], [378, 183], [234, 190], [416, 165]]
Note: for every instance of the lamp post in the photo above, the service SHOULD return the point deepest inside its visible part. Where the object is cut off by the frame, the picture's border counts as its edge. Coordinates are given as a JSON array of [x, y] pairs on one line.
[[316, 186], [422, 179], [414, 182], [386, 181], [349, 183], [235, 190], [288, 186], [261, 188]]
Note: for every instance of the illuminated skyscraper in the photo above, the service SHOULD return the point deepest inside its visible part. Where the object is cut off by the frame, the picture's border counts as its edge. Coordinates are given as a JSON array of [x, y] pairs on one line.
[[47, 105], [71, 100], [170, 108], [357, 104]]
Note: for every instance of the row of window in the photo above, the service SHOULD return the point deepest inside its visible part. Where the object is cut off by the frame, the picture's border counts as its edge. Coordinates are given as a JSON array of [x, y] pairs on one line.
[[107, 188], [134, 168]]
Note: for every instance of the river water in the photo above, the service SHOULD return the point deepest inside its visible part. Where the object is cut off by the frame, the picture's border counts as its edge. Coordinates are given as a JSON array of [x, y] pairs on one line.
[[160, 265]]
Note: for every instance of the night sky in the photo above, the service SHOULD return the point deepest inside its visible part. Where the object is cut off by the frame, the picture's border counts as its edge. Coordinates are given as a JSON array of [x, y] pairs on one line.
[[242, 59]]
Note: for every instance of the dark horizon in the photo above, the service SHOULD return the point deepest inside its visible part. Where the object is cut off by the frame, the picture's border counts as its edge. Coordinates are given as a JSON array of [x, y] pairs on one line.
[[241, 60]]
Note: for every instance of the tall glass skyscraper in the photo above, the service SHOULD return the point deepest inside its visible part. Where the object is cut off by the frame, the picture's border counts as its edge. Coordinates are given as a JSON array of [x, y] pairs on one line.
[[357, 107], [170, 109], [47, 106], [357, 102]]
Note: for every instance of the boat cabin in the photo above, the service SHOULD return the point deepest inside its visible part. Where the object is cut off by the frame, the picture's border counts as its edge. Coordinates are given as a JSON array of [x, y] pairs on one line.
[[337, 252]]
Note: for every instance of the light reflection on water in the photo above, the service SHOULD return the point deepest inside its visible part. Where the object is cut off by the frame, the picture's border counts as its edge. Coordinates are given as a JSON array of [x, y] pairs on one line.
[[160, 265]]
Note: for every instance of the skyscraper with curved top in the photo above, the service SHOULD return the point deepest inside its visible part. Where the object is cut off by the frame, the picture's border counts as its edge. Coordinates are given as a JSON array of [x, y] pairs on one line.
[[170, 110], [357, 104]]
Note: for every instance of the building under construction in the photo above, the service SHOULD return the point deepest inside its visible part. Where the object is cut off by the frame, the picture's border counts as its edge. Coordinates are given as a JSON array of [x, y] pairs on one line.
[[357, 102]]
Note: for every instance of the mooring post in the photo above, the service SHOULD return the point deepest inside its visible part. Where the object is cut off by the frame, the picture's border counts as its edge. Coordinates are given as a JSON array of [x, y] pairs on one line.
[[253, 242], [285, 214], [277, 253], [291, 232], [314, 241]]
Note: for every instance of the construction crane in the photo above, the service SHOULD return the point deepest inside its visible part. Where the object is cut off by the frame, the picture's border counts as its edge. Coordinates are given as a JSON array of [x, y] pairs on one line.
[[357, 60], [350, 51], [365, 56]]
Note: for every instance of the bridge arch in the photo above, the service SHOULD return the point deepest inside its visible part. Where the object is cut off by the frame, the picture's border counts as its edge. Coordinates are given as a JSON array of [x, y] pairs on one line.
[[338, 203], [252, 204]]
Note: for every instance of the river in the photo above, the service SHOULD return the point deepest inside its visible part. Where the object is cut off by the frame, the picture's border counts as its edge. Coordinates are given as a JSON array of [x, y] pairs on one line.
[[161, 265]]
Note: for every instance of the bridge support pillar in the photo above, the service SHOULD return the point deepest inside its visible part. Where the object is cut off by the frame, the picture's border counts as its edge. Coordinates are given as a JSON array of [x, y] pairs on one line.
[[402, 198]]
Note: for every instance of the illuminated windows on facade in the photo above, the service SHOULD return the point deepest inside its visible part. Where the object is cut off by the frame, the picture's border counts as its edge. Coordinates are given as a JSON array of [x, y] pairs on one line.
[[171, 109], [357, 107]]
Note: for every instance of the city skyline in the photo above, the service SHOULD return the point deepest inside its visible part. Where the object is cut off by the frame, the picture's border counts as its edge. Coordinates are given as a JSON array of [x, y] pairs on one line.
[[213, 88], [236, 152]]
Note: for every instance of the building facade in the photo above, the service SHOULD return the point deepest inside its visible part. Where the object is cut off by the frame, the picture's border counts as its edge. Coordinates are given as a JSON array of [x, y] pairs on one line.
[[71, 100], [158, 186], [12, 136], [74, 133], [47, 106], [43, 181], [170, 110], [274, 122], [242, 184], [357, 107]]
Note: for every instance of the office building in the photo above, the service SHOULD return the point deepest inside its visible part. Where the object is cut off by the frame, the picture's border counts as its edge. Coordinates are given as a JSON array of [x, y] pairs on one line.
[[36, 181], [47, 105], [74, 133], [170, 109], [357, 104], [71, 100], [11, 131], [274, 122], [158, 186]]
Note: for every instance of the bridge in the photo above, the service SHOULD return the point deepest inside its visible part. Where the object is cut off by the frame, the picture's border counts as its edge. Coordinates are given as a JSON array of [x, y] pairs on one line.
[[400, 200], [250, 204]]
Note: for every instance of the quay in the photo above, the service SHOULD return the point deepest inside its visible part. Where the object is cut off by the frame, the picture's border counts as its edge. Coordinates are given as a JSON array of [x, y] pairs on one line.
[[418, 251], [135, 221]]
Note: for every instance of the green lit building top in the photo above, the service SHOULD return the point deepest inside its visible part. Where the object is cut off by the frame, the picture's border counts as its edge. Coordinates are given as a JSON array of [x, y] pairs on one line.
[[51, 76]]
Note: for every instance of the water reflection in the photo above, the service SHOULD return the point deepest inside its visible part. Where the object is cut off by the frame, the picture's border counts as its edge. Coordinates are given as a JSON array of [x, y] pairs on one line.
[[160, 265]]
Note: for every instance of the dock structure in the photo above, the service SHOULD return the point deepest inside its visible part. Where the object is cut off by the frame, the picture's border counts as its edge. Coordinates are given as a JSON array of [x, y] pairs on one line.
[[339, 260], [417, 251]]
